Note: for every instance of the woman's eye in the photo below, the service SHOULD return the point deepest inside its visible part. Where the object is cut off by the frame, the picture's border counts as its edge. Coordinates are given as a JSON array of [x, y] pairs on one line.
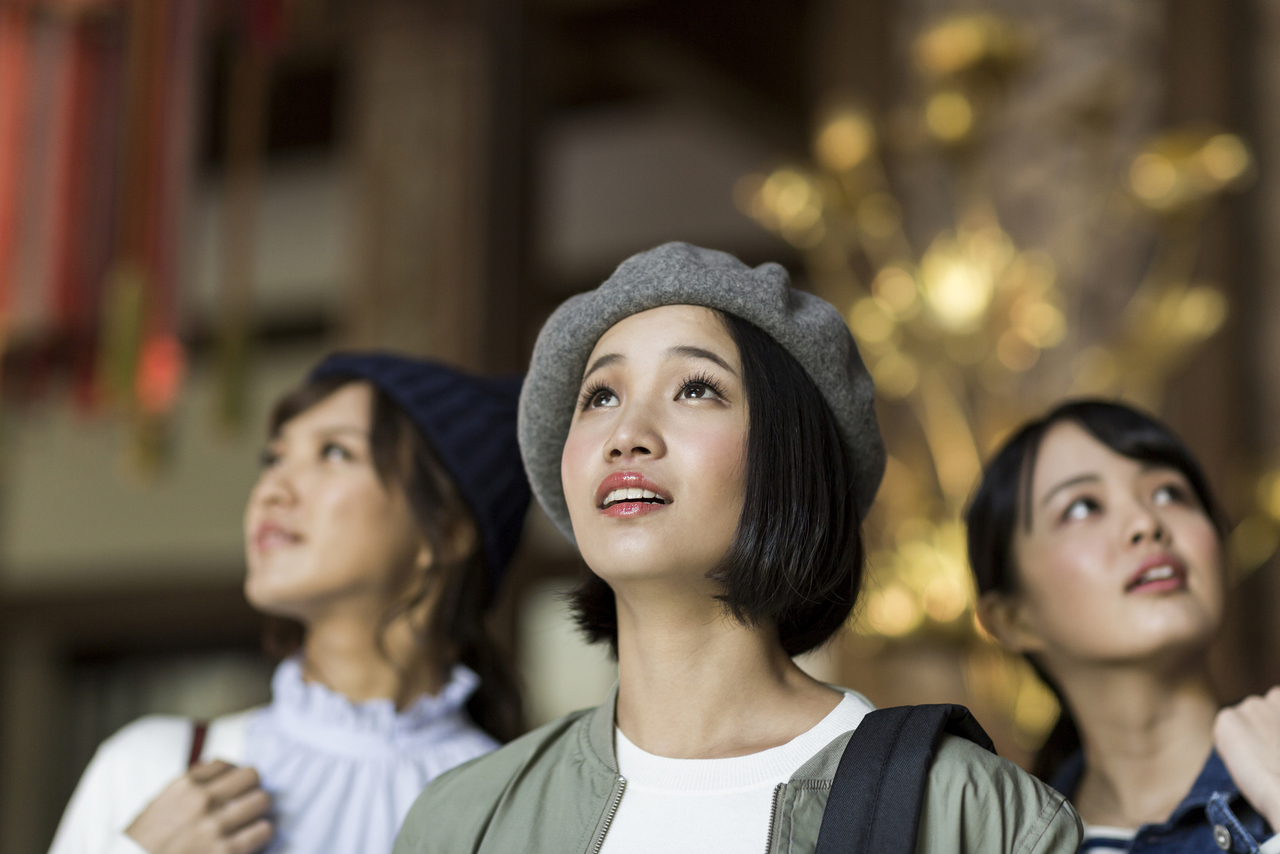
[[1079, 509], [602, 398], [698, 391], [1169, 494], [334, 451], [267, 459]]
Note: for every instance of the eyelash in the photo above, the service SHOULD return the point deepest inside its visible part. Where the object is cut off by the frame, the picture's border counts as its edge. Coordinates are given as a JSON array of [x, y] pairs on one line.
[[589, 393], [703, 379]]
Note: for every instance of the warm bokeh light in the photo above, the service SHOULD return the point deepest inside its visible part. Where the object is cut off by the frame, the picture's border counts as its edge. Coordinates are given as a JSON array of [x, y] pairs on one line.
[[845, 141]]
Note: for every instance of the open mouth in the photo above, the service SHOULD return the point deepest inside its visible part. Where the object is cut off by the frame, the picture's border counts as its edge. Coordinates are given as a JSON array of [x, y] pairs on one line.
[[631, 494], [1159, 577]]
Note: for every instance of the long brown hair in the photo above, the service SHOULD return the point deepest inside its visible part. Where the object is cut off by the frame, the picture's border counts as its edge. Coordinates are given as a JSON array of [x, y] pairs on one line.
[[454, 631]]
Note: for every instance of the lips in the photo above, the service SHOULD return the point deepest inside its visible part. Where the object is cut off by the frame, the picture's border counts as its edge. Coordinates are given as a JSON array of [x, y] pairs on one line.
[[1158, 574], [270, 535], [628, 494]]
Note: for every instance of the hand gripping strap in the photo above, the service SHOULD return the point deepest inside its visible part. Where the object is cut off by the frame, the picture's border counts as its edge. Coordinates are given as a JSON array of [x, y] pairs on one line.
[[878, 790]]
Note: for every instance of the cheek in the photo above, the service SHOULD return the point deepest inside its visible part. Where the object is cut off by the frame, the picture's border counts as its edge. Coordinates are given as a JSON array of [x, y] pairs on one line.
[[1198, 540], [714, 457], [1066, 580], [578, 476]]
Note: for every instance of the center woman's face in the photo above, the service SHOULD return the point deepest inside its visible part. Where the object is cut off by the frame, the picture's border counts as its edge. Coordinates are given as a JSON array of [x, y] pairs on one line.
[[1119, 561], [654, 464], [322, 531]]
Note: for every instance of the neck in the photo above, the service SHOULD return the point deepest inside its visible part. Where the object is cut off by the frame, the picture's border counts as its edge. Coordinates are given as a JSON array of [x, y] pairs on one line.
[[1146, 734], [342, 653], [696, 684]]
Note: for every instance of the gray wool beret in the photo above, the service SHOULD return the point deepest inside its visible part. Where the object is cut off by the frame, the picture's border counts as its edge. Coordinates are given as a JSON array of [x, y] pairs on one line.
[[679, 274]]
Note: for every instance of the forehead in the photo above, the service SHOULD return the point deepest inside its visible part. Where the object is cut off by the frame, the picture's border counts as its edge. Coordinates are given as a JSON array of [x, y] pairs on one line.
[[347, 408], [667, 326], [1068, 450]]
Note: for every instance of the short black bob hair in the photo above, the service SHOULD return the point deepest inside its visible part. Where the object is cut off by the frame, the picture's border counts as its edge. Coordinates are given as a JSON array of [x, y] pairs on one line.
[[796, 557], [1000, 503]]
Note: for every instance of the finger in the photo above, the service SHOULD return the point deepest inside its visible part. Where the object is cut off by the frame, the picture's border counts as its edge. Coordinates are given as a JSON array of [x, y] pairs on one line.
[[232, 784], [251, 839], [1273, 696], [243, 810], [203, 772]]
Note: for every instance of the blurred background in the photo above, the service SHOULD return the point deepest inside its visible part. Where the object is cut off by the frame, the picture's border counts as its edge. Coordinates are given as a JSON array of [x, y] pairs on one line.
[[1011, 202]]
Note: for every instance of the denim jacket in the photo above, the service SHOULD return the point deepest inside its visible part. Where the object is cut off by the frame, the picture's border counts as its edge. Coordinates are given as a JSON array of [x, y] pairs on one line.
[[1212, 818]]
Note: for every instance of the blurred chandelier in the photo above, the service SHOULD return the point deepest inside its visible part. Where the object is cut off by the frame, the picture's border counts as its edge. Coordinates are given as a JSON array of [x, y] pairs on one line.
[[950, 334]]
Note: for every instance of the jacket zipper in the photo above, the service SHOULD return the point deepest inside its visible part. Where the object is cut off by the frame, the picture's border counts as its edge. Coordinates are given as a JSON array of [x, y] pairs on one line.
[[773, 817], [618, 788]]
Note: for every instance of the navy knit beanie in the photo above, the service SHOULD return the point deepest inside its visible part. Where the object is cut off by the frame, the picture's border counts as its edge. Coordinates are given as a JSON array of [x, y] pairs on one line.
[[470, 423]]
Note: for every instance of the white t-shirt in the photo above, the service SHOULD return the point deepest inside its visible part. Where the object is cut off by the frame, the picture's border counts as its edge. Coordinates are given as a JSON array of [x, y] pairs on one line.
[[722, 805]]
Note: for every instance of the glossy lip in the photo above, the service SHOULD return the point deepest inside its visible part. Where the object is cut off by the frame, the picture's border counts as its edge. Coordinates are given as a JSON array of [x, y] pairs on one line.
[[265, 534], [1177, 582], [629, 509]]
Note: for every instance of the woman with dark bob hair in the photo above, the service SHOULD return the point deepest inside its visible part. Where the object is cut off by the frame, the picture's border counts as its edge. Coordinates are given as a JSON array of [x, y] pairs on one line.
[[1098, 552], [390, 500], [707, 437]]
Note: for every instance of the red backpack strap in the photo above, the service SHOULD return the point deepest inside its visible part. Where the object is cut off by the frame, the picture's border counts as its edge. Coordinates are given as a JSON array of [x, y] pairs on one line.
[[199, 729]]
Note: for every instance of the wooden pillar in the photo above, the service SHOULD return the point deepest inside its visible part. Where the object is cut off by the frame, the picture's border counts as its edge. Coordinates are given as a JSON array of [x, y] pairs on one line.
[[422, 137], [30, 709]]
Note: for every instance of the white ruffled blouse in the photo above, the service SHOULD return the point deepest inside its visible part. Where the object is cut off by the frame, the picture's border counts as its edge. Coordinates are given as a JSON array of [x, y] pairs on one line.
[[343, 774]]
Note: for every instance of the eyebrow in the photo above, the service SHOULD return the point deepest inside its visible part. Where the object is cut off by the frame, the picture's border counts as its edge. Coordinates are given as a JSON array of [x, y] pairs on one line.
[[325, 432], [685, 350], [1078, 479]]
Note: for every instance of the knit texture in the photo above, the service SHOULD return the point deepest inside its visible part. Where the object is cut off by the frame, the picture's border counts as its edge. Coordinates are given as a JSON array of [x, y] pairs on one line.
[[810, 328], [470, 423]]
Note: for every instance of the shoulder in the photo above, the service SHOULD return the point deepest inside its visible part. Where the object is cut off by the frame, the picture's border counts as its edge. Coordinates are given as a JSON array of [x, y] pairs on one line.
[[470, 793], [128, 770], [996, 805], [154, 738]]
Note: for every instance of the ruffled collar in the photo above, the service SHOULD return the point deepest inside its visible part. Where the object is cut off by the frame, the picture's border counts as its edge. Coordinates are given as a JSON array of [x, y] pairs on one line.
[[313, 712]]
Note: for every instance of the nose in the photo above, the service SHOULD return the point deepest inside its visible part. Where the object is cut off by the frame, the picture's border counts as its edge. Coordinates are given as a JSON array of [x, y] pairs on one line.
[[275, 486], [635, 435], [1146, 526]]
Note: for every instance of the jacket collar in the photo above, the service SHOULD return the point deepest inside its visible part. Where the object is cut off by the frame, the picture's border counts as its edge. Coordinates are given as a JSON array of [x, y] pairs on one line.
[[1213, 779], [599, 734]]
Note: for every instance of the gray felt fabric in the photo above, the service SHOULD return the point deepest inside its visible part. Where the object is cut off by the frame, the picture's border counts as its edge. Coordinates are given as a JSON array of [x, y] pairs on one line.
[[680, 274]]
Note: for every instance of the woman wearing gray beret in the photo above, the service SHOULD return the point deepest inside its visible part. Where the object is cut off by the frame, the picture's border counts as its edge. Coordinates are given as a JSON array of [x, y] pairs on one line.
[[707, 437]]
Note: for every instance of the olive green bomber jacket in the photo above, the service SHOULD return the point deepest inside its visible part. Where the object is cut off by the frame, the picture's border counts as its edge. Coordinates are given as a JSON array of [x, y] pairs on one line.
[[556, 789]]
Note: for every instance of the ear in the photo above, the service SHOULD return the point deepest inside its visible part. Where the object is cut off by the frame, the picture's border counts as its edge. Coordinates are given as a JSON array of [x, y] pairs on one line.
[[1004, 617], [425, 557]]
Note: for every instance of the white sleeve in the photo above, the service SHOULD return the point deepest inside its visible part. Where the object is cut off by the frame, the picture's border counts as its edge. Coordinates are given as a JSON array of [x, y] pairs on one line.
[[1271, 846], [127, 772]]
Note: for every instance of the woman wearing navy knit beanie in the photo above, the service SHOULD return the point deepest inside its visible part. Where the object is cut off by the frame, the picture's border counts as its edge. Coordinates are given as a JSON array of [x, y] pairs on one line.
[[707, 436], [390, 500]]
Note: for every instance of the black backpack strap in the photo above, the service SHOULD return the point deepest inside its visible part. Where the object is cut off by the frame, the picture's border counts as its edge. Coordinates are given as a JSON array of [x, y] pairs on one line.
[[878, 790]]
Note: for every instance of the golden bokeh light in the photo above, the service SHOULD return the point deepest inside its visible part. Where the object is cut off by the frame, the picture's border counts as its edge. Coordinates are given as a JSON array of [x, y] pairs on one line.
[[1225, 158], [896, 288], [846, 141], [893, 611], [870, 322], [1153, 178], [949, 116], [957, 289], [895, 374]]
